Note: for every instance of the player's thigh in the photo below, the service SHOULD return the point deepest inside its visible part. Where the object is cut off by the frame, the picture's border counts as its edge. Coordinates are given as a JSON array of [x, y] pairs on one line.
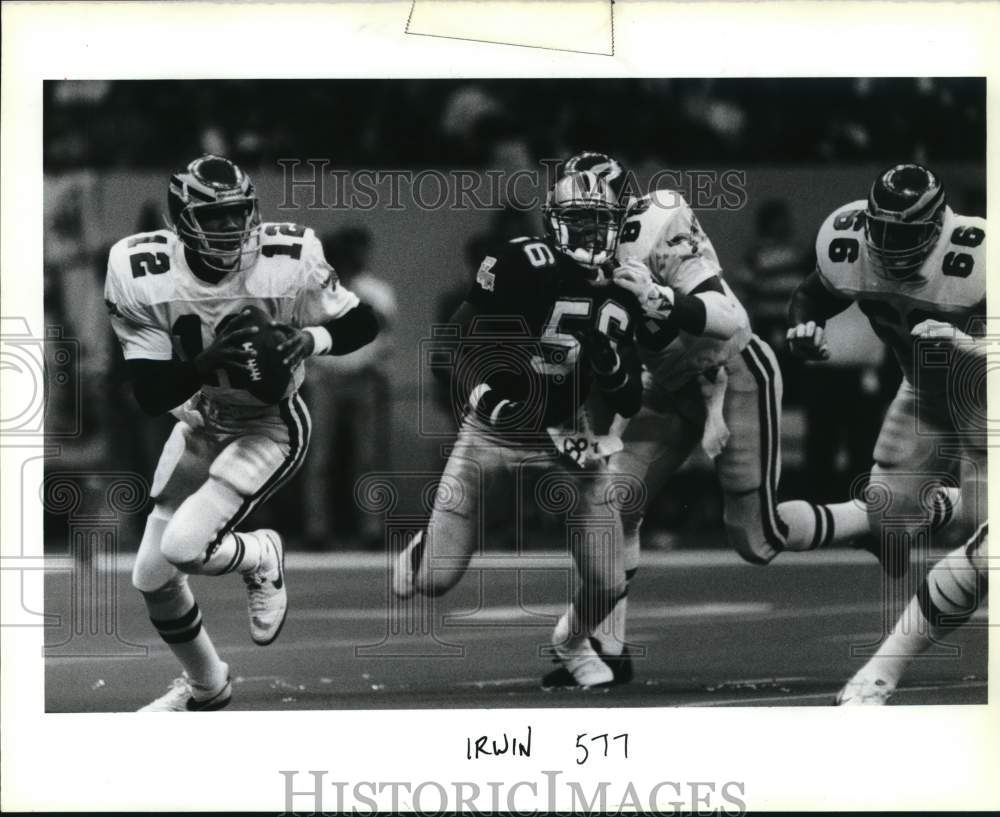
[[908, 460], [245, 474], [656, 444], [183, 466]]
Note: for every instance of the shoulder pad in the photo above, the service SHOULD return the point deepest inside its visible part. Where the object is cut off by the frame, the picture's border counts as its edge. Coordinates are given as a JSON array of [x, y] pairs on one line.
[[840, 247]]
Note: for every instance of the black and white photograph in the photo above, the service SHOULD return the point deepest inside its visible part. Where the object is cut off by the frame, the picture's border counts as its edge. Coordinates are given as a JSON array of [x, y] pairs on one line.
[[380, 395]]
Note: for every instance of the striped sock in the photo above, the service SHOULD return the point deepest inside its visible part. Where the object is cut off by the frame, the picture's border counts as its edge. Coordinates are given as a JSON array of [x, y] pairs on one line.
[[176, 617], [812, 526], [235, 552]]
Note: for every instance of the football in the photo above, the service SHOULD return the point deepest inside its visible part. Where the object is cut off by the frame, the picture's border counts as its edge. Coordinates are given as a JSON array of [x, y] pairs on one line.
[[268, 376]]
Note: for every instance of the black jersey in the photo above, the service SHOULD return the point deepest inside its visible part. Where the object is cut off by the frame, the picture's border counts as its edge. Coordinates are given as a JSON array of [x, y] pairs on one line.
[[531, 300]]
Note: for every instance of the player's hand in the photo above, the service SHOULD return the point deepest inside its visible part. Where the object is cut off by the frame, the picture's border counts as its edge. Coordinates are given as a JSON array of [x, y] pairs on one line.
[[225, 352], [297, 344], [940, 330], [806, 341], [597, 347], [492, 408], [190, 412], [638, 279]]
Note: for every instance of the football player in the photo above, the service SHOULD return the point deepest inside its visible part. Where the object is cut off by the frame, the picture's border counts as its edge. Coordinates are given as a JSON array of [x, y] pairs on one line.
[[542, 327], [957, 585], [171, 294], [708, 379], [911, 264]]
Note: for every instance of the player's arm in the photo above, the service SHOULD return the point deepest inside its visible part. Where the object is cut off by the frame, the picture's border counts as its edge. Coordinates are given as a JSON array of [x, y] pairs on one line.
[[706, 310], [356, 328], [160, 385], [328, 319], [812, 304], [160, 381], [617, 371], [683, 285], [492, 293]]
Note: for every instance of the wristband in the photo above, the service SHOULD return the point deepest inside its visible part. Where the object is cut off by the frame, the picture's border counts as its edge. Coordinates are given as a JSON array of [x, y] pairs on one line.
[[322, 340]]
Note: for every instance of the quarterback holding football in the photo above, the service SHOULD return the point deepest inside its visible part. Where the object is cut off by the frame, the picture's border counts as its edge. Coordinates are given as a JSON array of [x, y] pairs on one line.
[[215, 317]]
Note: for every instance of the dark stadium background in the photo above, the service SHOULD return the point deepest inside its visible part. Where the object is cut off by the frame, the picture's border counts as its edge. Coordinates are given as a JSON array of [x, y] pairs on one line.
[[804, 147]]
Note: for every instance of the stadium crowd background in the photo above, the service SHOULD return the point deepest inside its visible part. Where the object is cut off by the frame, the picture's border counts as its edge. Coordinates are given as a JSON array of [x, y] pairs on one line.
[[806, 146]]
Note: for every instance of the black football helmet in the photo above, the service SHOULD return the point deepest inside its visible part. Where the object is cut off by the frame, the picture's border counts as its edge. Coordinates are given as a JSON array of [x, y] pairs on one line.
[[906, 207], [214, 210], [583, 217]]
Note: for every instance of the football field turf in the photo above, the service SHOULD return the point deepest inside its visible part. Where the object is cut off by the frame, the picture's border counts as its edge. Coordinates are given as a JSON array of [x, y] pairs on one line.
[[714, 632]]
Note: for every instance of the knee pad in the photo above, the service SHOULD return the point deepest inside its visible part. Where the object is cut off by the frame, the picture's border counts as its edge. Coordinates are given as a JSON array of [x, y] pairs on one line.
[[151, 570]]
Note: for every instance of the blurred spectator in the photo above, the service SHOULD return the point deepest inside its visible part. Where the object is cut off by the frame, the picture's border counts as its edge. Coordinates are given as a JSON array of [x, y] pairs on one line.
[[349, 397], [149, 122], [773, 267]]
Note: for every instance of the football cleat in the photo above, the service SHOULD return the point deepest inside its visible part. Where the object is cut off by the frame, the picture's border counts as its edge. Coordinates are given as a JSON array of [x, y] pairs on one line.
[[404, 571], [864, 690], [180, 698], [266, 593], [620, 665], [579, 658]]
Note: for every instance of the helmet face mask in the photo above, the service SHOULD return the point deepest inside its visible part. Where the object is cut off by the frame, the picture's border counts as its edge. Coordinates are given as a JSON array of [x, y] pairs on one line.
[[583, 219], [903, 220], [215, 213], [222, 235]]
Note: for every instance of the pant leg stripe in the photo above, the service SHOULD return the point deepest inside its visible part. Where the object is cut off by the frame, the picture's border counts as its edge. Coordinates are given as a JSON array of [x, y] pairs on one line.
[[296, 419], [775, 530], [774, 432]]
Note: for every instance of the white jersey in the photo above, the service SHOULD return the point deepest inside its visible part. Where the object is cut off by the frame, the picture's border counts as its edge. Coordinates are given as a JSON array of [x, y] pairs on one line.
[[663, 233], [160, 310], [950, 285]]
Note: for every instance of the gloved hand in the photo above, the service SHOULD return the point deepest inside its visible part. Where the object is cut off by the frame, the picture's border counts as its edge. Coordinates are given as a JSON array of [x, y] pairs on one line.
[[493, 409], [637, 278], [598, 349]]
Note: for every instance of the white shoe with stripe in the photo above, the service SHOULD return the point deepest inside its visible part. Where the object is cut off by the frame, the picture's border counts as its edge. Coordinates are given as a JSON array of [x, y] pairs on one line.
[[581, 660], [267, 598], [181, 698]]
